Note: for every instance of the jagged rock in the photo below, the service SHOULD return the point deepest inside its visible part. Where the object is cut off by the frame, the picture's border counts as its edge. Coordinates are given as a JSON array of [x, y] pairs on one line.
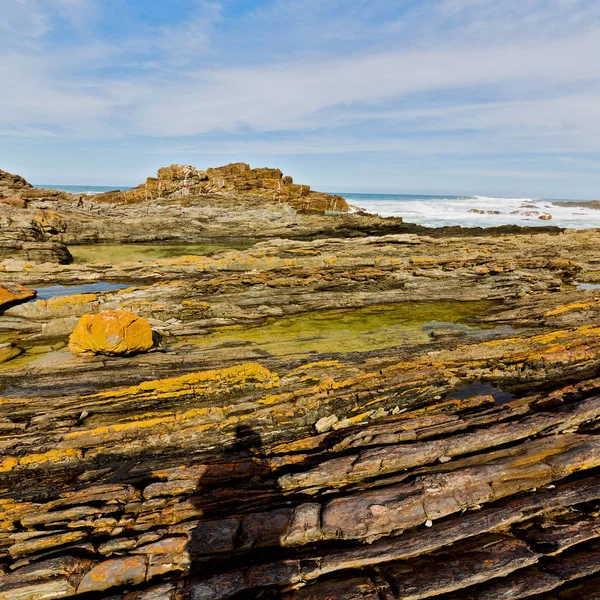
[[35, 252], [16, 202], [182, 181], [117, 332], [12, 184]]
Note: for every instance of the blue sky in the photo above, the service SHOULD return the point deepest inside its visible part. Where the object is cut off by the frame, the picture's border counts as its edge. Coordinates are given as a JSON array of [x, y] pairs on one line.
[[430, 96]]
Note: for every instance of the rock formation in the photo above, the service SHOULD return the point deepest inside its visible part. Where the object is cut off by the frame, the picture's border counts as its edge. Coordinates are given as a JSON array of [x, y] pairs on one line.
[[184, 204], [374, 411], [14, 293], [12, 185], [238, 179], [114, 332]]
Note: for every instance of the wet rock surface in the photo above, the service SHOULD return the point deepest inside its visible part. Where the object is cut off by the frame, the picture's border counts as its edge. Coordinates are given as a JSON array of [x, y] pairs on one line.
[[389, 416]]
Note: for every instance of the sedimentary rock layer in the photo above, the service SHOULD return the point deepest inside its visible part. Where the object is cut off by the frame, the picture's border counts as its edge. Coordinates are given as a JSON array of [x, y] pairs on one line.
[[381, 417]]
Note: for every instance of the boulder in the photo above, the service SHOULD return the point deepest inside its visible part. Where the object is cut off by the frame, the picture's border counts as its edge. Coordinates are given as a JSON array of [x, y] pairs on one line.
[[114, 332], [13, 293]]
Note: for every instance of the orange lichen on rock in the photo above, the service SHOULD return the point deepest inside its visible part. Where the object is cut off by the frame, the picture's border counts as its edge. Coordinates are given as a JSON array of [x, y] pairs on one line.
[[59, 302], [570, 307], [201, 383], [12, 293], [114, 332]]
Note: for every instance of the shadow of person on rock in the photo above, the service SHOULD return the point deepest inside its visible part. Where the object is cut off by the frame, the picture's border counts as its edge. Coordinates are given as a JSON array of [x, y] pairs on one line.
[[247, 443], [244, 515]]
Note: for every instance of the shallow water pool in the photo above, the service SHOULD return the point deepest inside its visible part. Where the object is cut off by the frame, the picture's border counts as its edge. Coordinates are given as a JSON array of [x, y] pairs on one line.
[[588, 286], [136, 252], [352, 330], [51, 291]]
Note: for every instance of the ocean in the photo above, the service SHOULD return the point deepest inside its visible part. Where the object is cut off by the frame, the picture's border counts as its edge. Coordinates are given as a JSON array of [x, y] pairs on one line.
[[84, 189], [437, 211]]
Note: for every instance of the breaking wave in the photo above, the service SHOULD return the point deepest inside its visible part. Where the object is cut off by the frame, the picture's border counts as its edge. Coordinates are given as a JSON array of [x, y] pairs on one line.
[[476, 211]]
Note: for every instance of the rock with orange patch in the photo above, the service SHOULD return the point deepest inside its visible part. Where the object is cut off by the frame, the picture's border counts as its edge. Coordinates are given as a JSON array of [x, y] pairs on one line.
[[114, 332], [13, 293], [16, 202], [129, 570]]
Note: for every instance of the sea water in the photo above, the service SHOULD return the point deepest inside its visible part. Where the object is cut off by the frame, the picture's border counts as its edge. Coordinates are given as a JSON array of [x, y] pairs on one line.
[[438, 211], [85, 189]]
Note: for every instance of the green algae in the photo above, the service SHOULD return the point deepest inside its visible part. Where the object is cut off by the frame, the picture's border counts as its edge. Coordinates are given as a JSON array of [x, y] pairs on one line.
[[23, 360], [30, 350], [350, 330], [112, 253]]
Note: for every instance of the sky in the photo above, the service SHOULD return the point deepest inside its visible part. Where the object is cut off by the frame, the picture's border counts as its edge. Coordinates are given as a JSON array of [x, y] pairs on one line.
[[491, 97]]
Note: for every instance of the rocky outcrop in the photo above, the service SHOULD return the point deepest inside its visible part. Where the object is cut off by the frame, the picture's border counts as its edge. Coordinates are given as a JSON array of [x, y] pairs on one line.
[[595, 204], [12, 185], [283, 278], [36, 252], [179, 182], [115, 333], [184, 204], [218, 482]]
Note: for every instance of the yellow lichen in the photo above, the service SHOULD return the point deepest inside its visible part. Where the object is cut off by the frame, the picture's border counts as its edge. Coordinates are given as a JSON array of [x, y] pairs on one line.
[[74, 300]]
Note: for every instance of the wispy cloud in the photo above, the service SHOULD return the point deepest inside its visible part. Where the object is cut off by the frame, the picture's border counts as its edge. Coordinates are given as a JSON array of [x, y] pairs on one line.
[[305, 76]]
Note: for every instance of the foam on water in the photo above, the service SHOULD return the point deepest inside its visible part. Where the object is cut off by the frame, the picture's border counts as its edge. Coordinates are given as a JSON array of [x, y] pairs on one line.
[[84, 189], [438, 211]]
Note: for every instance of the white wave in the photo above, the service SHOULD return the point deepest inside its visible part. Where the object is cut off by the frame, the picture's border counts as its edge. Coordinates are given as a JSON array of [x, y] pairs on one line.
[[479, 211]]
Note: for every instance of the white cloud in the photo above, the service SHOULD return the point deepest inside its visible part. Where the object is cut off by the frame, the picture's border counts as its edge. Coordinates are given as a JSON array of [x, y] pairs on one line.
[[161, 82]]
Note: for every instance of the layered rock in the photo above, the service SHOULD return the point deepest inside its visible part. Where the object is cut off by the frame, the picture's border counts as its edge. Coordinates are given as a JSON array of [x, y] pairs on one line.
[[227, 487], [14, 293], [412, 415], [8, 351], [185, 204], [12, 185], [238, 179]]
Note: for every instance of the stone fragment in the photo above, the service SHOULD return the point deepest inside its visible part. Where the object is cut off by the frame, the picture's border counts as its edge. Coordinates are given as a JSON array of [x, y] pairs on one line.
[[45, 542], [130, 570], [304, 527], [354, 588], [14, 293], [158, 592], [114, 332], [437, 575], [326, 423]]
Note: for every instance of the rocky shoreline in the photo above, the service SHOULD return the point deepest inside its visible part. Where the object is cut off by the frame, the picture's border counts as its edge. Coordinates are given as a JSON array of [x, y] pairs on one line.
[[344, 407]]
